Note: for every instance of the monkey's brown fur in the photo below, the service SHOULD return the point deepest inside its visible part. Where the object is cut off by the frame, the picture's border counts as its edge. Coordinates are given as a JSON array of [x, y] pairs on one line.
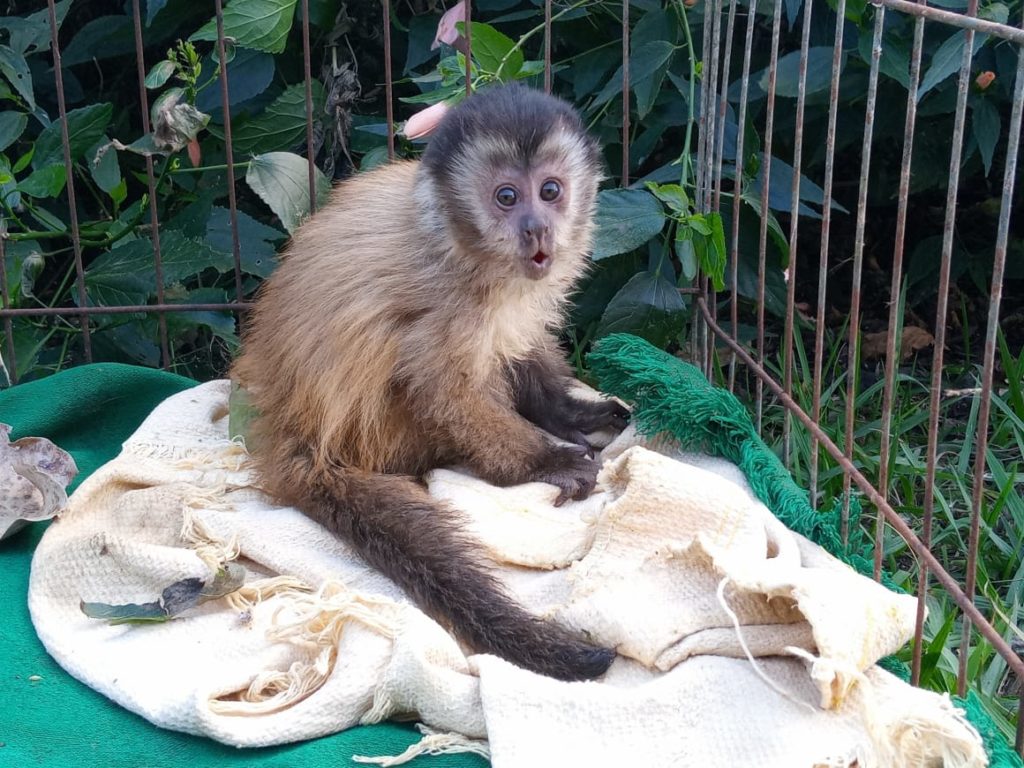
[[409, 326]]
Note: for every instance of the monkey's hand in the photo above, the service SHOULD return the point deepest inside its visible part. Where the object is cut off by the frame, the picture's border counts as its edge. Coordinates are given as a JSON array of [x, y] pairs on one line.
[[567, 468], [572, 419]]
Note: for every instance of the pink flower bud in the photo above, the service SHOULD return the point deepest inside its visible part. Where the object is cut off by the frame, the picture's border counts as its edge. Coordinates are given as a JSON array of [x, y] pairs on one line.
[[425, 121], [446, 31]]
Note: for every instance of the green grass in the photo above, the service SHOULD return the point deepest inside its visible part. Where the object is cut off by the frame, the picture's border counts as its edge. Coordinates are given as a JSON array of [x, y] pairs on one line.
[[1000, 565]]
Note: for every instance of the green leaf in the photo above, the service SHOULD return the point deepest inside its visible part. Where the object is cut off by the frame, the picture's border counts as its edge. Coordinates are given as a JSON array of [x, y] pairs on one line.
[[12, 124], [282, 125], [220, 323], [673, 195], [257, 242], [103, 37], [648, 305], [259, 24], [249, 75], [895, 61], [24, 160], [947, 59], [32, 32], [626, 219], [787, 78], [373, 158], [48, 221], [103, 166], [153, 7], [986, 125], [713, 255], [644, 61], [86, 126], [14, 67], [44, 182], [128, 613], [686, 253], [491, 46], [159, 74], [281, 179]]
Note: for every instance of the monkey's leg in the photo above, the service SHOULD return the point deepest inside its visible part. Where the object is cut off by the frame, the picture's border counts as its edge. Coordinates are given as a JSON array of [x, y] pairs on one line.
[[419, 544], [541, 385]]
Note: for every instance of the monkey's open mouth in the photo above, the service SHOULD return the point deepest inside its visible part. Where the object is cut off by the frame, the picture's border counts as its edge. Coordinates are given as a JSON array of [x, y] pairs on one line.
[[541, 259], [537, 265]]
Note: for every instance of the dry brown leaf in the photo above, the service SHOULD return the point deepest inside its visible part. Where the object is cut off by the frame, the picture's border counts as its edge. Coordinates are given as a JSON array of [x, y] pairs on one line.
[[873, 345], [33, 476]]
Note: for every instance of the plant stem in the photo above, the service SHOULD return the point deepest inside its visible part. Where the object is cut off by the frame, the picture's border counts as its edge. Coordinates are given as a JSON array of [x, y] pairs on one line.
[[684, 158], [204, 168]]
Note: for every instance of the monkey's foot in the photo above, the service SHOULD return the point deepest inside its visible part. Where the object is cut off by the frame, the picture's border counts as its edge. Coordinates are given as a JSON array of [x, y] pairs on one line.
[[568, 468]]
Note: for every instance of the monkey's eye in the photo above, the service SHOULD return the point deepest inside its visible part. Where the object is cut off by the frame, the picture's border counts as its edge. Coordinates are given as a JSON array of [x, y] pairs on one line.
[[506, 197], [550, 190]]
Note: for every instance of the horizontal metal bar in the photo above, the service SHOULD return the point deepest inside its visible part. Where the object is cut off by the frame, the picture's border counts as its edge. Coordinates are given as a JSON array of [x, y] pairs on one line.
[[124, 310], [1013, 34], [1013, 661]]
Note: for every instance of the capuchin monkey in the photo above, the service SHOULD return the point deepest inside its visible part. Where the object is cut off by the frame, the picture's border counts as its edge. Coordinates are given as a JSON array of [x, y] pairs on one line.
[[411, 325]]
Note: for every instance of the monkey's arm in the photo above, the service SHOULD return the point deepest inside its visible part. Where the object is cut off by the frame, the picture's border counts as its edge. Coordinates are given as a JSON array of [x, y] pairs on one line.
[[499, 445], [542, 394]]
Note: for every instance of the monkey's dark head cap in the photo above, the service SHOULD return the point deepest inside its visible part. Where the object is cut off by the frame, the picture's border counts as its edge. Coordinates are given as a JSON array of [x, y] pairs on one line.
[[511, 115]]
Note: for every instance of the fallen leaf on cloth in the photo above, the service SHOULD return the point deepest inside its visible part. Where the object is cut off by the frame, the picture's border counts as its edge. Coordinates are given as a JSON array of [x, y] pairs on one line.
[[34, 474]]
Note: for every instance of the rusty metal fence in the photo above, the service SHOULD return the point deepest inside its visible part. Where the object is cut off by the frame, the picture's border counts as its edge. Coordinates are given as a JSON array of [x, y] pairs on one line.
[[727, 45]]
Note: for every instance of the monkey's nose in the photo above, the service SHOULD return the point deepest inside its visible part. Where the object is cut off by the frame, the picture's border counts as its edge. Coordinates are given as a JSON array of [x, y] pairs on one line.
[[532, 227]]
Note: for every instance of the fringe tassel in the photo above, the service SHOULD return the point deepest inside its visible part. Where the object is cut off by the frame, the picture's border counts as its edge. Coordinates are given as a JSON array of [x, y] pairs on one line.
[[432, 743]]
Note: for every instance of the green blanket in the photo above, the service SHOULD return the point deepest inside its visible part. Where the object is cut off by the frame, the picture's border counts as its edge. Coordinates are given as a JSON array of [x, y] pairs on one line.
[[48, 718]]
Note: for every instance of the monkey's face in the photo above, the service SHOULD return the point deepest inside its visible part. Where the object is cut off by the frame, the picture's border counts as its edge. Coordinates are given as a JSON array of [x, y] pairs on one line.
[[527, 217]]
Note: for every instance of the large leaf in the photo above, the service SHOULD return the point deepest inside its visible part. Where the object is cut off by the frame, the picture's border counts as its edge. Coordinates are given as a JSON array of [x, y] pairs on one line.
[[282, 125], [644, 61], [101, 38], [45, 182], [103, 166], [11, 126], [648, 305], [257, 242], [489, 49], [14, 67], [127, 273], [787, 79], [895, 60], [949, 56], [249, 74], [281, 179], [626, 219], [153, 7], [986, 127], [32, 32], [259, 24], [86, 126]]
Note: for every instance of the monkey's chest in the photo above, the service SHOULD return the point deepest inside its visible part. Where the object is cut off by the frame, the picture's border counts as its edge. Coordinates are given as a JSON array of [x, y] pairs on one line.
[[514, 326]]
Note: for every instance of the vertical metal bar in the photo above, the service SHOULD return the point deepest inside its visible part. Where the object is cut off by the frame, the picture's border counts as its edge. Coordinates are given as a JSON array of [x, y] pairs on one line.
[[700, 179], [858, 258], [625, 93], [228, 151], [995, 297], [766, 169], [794, 225], [891, 360], [469, 47], [388, 85], [547, 46], [942, 307], [5, 297], [76, 238], [1018, 741], [308, 75], [711, 152], [737, 190], [723, 101], [154, 218], [826, 220]]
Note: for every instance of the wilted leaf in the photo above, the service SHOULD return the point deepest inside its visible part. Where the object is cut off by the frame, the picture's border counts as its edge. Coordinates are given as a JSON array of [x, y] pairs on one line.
[[86, 126], [33, 475], [12, 124], [176, 122], [259, 24], [281, 179], [626, 219], [873, 345]]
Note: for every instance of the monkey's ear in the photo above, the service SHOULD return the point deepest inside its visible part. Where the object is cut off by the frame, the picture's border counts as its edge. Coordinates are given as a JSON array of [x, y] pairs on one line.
[[425, 121]]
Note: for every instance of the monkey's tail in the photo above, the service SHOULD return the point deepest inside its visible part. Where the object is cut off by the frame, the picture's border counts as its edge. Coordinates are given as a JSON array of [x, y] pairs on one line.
[[399, 529]]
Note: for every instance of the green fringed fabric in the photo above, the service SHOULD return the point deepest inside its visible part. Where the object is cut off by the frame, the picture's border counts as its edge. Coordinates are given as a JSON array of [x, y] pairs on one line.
[[671, 397]]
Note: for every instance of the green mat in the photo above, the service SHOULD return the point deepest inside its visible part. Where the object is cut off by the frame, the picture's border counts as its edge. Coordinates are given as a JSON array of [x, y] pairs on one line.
[[48, 718]]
